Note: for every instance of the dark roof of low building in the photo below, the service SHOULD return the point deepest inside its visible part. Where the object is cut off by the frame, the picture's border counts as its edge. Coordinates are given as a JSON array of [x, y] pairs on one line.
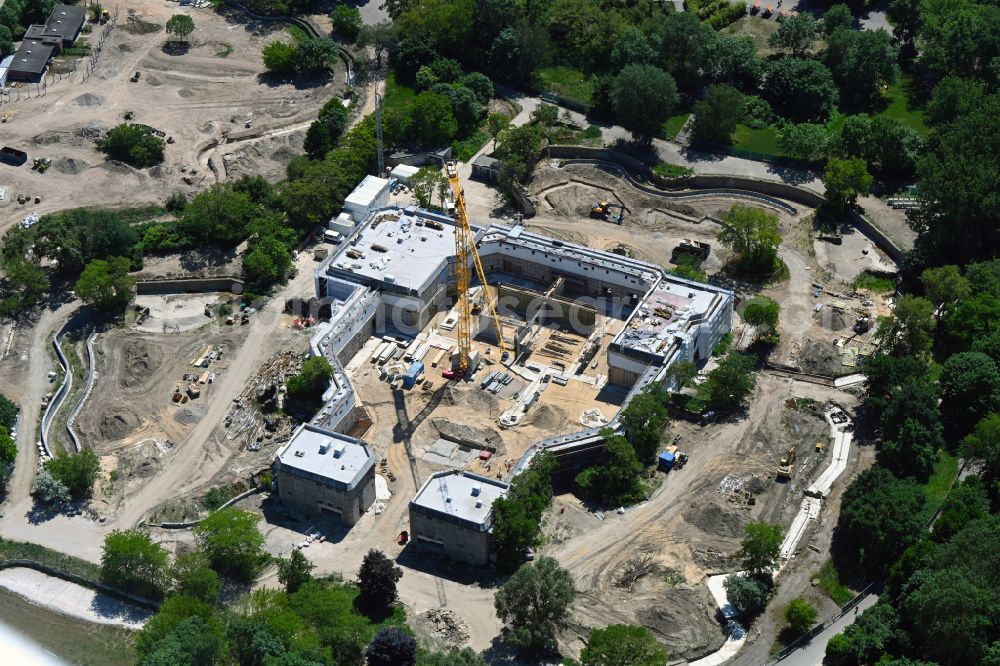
[[31, 57], [66, 21], [486, 162]]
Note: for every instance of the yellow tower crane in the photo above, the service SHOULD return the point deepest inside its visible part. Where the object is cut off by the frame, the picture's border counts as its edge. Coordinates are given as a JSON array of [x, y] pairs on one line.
[[465, 245]]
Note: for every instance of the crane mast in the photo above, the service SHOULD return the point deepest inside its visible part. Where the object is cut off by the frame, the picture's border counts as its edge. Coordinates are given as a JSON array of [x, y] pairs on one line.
[[465, 245]]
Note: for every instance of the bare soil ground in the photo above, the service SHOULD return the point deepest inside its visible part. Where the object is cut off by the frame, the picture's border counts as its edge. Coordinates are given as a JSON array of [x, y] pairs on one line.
[[201, 96]]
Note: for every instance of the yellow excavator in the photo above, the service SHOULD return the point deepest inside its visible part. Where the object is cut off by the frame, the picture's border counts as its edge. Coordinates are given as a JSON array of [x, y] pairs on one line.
[[604, 210], [786, 466]]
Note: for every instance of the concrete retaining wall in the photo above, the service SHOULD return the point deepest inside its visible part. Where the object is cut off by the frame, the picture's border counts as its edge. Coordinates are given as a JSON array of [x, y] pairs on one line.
[[192, 523], [192, 285], [80, 580]]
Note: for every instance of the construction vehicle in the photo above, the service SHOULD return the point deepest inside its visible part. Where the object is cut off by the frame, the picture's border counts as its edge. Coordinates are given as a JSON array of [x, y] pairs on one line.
[[863, 324], [105, 16], [465, 245], [604, 210], [786, 466], [693, 248]]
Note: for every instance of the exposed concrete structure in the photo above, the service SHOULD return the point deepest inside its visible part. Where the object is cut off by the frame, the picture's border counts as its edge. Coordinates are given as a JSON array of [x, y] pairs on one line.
[[321, 472], [452, 515]]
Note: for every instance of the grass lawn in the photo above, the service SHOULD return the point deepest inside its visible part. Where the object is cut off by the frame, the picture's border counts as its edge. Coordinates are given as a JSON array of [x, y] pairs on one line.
[[464, 150], [758, 140], [831, 584], [760, 29], [939, 484], [568, 82], [396, 94], [298, 34], [902, 108], [674, 124], [668, 170], [876, 283]]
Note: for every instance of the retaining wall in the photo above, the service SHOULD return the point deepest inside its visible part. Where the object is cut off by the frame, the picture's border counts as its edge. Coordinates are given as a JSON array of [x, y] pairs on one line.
[[190, 285], [192, 523], [80, 580]]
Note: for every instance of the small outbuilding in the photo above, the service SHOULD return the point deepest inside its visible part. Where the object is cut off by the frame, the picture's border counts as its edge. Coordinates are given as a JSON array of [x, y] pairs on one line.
[[403, 172], [486, 168], [666, 461], [370, 195]]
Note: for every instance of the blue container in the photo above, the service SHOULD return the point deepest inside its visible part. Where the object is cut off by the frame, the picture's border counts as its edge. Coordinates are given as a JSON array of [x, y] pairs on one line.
[[410, 376], [666, 461]]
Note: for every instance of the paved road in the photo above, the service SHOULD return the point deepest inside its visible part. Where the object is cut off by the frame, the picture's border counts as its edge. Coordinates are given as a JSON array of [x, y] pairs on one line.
[[813, 652]]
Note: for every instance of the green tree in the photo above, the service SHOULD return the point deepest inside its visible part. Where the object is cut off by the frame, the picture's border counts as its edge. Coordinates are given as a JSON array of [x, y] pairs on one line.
[[295, 571], [347, 21], [192, 576], [644, 97], [377, 579], [279, 58], [314, 55], [180, 25], [716, 116], [864, 641], [516, 517], [8, 413], [861, 61], [220, 215], [806, 141], [730, 384], [133, 144], [49, 490], [6, 41], [682, 373], [318, 141], [391, 646], [954, 97], [622, 645], [888, 146], [762, 313], [77, 472], [132, 561], [796, 33], [800, 90], [496, 124], [8, 448], [845, 181], [466, 109], [967, 501], [519, 149], [970, 389], [106, 284], [837, 17], [632, 48], [911, 450], [380, 37], [733, 59], [309, 385], [880, 517], [752, 234], [616, 480], [232, 542], [912, 325], [912, 414], [192, 643], [983, 443], [545, 115], [684, 46], [800, 616], [534, 604], [434, 123], [748, 593], [267, 261], [464, 657], [945, 285], [644, 419], [480, 85], [760, 547]]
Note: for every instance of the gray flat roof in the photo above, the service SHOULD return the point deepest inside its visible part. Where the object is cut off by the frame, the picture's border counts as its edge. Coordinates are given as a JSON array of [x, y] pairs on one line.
[[66, 20], [463, 495], [408, 255], [486, 162], [32, 56], [322, 454]]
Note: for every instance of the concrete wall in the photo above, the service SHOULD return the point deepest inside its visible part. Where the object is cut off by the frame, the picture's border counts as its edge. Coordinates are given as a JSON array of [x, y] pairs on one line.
[[185, 286], [316, 499], [434, 536]]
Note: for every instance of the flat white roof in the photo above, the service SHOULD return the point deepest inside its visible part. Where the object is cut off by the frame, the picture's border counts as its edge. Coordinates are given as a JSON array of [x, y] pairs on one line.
[[404, 170], [317, 452], [367, 191], [461, 495], [409, 253]]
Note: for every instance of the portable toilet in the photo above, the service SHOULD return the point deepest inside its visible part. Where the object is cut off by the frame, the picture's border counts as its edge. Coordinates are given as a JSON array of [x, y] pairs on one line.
[[666, 461], [410, 376]]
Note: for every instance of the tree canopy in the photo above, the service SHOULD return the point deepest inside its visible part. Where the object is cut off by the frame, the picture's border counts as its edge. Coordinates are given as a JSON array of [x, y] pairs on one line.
[[622, 645], [106, 284], [752, 234], [133, 144], [534, 603], [133, 562], [232, 542]]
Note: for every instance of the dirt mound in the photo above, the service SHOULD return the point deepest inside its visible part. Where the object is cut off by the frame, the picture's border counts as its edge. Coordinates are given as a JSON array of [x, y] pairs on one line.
[[547, 417], [189, 415], [140, 362], [153, 80], [117, 426], [88, 100], [186, 93], [821, 358], [714, 518], [480, 401], [833, 320], [684, 620], [472, 437], [69, 165], [92, 131], [444, 626], [126, 48], [755, 485]]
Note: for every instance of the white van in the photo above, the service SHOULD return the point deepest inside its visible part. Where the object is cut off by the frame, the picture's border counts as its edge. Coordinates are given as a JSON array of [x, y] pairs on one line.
[[334, 237]]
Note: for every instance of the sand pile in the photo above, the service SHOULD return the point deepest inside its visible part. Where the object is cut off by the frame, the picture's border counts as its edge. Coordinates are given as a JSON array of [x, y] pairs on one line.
[[117, 426], [189, 415], [713, 518], [140, 363], [69, 165], [820, 358], [87, 100], [548, 417], [684, 619]]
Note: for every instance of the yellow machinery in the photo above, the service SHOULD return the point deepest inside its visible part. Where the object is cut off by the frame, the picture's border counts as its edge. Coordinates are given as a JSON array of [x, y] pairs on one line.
[[604, 210], [465, 244], [786, 466]]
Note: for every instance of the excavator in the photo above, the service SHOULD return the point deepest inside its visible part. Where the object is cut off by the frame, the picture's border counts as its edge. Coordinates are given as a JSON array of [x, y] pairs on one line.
[[786, 466], [604, 210]]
